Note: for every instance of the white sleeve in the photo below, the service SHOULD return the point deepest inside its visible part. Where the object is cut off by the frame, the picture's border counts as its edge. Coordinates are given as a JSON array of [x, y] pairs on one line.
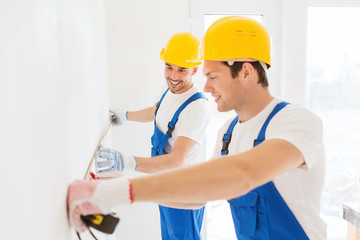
[[194, 120], [301, 128]]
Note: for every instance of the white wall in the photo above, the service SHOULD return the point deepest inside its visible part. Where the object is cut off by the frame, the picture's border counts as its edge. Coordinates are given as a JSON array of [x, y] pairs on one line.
[[53, 98], [136, 32]]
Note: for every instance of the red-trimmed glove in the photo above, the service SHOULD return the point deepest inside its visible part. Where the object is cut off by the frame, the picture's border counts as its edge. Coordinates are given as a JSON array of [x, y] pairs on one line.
[[106, 175], [96, 197]]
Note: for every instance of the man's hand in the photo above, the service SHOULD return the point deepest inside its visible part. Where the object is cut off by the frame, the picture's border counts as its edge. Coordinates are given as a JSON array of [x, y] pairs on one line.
[[95, 197], [117, 117], [109, 160]]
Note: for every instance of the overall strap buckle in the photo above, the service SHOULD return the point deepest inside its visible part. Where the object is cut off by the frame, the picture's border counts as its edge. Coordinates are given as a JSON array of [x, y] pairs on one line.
[[257, 142], [226, 141], [171, 127], [227, 137]]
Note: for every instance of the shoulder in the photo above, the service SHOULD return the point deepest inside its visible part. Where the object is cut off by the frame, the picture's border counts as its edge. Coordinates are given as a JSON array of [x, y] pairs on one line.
[[297, 114], [200, 104], [296, 124]]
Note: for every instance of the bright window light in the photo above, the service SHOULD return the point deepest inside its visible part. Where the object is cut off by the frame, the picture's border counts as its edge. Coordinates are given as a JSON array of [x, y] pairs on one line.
[[333, 85]]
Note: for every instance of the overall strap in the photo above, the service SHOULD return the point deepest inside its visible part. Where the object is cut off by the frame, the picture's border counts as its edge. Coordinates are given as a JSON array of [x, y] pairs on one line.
[[227, 137], [159, 102], [171, 124], [261, 136]]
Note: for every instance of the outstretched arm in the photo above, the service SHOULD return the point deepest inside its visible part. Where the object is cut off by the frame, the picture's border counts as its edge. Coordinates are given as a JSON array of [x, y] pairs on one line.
[[223, 178], [144, 115]]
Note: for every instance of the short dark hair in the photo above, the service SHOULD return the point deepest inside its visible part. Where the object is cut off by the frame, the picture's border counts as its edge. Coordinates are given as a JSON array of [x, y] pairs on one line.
[[237, 66]]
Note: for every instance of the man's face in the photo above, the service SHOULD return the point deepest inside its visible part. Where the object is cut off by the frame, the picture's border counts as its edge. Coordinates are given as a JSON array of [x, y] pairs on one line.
[[226, 90], [178, 79]]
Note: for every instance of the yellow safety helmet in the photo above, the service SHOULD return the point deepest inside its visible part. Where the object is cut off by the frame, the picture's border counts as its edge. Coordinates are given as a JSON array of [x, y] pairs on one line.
[[180, 48], [236, 38]]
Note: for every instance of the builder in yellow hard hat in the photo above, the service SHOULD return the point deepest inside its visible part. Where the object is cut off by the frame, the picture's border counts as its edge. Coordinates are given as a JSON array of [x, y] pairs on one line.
[[180, 119], [268, 160]]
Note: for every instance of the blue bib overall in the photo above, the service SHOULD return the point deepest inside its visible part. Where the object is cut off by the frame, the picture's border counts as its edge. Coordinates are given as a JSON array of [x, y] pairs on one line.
[[262, 213], [176, 223]]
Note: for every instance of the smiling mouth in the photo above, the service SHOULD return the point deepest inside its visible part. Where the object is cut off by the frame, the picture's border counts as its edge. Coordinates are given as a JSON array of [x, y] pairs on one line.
[[216, 98], [175, 83]]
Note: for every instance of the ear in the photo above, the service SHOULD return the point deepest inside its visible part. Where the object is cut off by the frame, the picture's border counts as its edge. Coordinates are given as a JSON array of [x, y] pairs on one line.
[[195, 69], [248, 71]]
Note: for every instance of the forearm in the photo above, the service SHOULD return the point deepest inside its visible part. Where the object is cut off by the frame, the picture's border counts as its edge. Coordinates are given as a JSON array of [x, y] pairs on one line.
[[144, 115], [197, 184], [180, 151], [159, 163]]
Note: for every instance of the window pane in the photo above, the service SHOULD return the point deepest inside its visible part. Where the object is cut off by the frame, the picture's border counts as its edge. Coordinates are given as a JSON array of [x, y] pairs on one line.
[[333, 85]]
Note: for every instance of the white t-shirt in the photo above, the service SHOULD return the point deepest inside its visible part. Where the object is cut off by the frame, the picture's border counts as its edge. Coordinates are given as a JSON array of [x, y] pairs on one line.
[[300, 188], [192, 122]]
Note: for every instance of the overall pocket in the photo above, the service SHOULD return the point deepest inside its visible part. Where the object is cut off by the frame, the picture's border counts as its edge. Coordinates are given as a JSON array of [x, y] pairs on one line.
[[244, 211]]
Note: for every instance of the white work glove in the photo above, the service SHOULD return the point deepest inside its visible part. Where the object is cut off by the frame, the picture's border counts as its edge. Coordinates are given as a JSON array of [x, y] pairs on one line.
[[96, 197], [118, 117], [109, 160]]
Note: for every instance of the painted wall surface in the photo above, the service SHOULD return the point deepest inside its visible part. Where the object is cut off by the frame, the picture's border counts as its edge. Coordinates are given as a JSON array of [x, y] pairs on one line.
[[54, 108], [136, 32]]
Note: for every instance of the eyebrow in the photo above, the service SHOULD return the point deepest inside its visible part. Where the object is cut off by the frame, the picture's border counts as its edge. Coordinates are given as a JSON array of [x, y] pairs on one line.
[[207, 74], [181, 68]]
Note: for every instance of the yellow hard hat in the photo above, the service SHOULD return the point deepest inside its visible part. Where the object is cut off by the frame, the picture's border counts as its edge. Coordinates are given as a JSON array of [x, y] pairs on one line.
[[236, 38], [180, 48]]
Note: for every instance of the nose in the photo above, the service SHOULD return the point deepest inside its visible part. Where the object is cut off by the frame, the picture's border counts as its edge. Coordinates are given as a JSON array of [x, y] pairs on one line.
[[207, 87], [173, 75]]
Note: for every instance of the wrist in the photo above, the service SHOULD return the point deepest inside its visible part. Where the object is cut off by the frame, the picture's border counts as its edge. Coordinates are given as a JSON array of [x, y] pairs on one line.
[[123, 116], [130, 162], [113, 192], [130, 192]]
